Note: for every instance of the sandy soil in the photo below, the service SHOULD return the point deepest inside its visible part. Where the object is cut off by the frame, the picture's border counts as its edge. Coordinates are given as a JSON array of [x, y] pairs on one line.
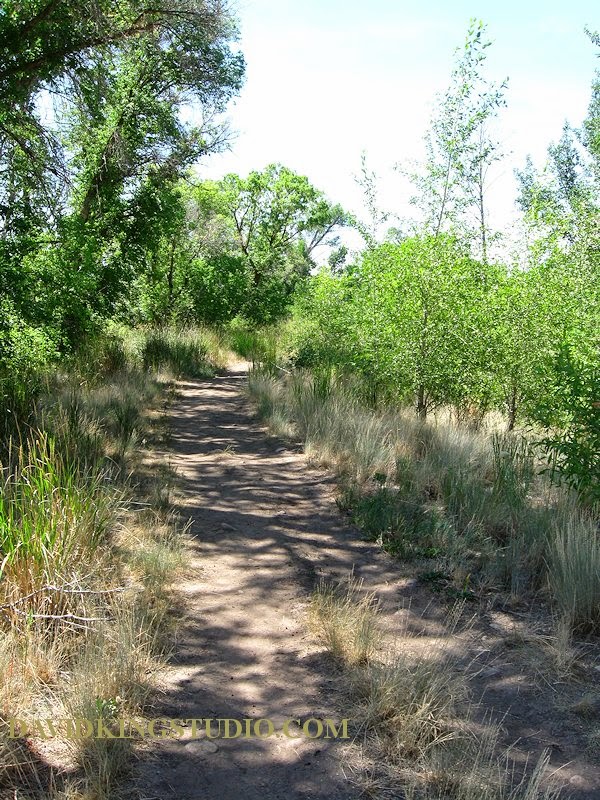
[[265, 529]]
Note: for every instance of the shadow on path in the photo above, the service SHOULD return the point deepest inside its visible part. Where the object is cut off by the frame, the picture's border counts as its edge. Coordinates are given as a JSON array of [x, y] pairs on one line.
[[265, 530]]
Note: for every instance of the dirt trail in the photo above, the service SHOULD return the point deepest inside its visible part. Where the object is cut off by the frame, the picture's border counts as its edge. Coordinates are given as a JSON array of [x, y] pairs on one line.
[[265, 530]]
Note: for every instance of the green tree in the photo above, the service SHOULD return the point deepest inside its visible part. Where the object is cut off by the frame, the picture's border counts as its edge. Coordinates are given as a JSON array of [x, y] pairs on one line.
[[460, 149], [89, 201], [274, 220], [407, 318]]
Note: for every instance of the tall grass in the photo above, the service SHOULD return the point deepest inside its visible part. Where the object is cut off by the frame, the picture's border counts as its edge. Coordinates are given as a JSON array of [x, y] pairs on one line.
[[260, 346], [474, 501], [180, 352], [84, 574], [574, 571], [50, 511]]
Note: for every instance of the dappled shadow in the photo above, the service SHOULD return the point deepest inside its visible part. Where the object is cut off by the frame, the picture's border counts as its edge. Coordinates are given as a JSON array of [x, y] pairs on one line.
[[265, 530]]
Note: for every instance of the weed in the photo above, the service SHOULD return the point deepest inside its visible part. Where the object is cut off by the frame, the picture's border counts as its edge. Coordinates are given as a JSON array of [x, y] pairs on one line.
[[345, 620], [474, 501], [574, 571]]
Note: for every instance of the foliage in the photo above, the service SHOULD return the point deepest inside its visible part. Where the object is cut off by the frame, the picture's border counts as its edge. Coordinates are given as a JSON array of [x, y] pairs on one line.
[[268, 226], [460, 149], [573, 417], [409, 318], [87, 191]]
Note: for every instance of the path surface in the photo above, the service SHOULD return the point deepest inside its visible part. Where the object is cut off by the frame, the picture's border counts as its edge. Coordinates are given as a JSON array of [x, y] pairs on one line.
[[266, 529]]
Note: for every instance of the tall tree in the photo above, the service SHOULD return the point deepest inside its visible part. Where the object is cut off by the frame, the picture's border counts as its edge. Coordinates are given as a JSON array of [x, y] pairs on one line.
[[276, 220], [460, 149], [123, 74]]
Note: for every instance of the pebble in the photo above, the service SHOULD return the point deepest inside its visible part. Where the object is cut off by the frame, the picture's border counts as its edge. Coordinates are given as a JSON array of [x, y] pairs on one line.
[[201, 747]]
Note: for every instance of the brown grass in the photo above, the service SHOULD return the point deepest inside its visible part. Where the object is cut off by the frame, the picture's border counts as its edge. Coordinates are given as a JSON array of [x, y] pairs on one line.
[[72, 648], [414, 732]]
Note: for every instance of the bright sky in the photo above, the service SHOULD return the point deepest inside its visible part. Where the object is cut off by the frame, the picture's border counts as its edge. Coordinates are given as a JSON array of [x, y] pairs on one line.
[[327, 79]]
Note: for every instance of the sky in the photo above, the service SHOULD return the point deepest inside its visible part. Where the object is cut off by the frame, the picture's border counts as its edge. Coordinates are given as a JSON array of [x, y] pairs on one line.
[[329, 79]]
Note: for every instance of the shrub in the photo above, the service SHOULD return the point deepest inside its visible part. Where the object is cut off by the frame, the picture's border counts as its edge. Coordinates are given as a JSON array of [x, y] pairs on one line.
[[573, 446]]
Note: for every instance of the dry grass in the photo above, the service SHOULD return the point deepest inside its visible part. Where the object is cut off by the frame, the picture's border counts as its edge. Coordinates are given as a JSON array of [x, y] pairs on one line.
[[77, 518], [345, 619], [407, 704], [411, 710], [574, 571], [481, 773], [472, 502]]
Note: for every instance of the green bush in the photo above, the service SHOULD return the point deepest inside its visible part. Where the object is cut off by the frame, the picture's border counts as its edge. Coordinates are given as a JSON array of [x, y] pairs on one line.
[[572, 445], [181, 352]]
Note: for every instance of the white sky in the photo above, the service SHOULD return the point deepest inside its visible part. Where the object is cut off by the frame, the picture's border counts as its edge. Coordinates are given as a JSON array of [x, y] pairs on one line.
[[327, 79]]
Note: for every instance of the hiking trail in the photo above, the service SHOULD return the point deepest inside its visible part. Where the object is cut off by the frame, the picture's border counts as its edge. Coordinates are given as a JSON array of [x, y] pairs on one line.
[[264, 529]]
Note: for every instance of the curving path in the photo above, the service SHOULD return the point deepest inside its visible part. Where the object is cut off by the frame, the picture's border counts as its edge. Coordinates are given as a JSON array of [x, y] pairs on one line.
[[265, 529]]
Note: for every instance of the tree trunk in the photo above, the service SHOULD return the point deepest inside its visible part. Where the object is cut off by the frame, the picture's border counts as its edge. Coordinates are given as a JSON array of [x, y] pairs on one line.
[[440, 219], [421, 403], [512, 410], [482, 217]]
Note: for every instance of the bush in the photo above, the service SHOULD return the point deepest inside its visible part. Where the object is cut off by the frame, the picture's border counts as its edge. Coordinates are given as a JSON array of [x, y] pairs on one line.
[[182, 352], [574, 451]]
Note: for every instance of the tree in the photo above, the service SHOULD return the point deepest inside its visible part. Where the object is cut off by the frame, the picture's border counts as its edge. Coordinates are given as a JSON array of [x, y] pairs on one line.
[[80, 194], [367, 180], [552, 329], [407, 318], [274, 220], [591, 125], [57, 46], [459, 147]]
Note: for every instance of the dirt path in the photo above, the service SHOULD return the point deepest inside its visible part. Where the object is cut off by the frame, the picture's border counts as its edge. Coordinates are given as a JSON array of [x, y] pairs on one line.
[[265, 530]]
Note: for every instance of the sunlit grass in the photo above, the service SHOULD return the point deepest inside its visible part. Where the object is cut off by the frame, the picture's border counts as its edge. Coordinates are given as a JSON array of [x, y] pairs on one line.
[[472, 500], [412, 712]]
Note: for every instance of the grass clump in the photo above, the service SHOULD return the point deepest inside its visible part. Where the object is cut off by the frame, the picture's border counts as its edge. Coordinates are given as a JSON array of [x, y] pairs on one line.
[[412, 709], [183, 353], [574, 572], [473, 501], [346, 621], [407, 703], [51, 515]]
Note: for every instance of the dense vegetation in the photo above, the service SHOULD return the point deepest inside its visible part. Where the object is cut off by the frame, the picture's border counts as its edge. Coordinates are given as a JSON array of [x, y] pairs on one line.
[[454, 381], [455, 388], [102, 220], [429, 318]]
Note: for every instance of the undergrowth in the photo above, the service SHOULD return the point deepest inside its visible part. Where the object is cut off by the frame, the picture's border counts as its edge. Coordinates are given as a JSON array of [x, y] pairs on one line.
[[471, 507], [88, 551], [411, 708]]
